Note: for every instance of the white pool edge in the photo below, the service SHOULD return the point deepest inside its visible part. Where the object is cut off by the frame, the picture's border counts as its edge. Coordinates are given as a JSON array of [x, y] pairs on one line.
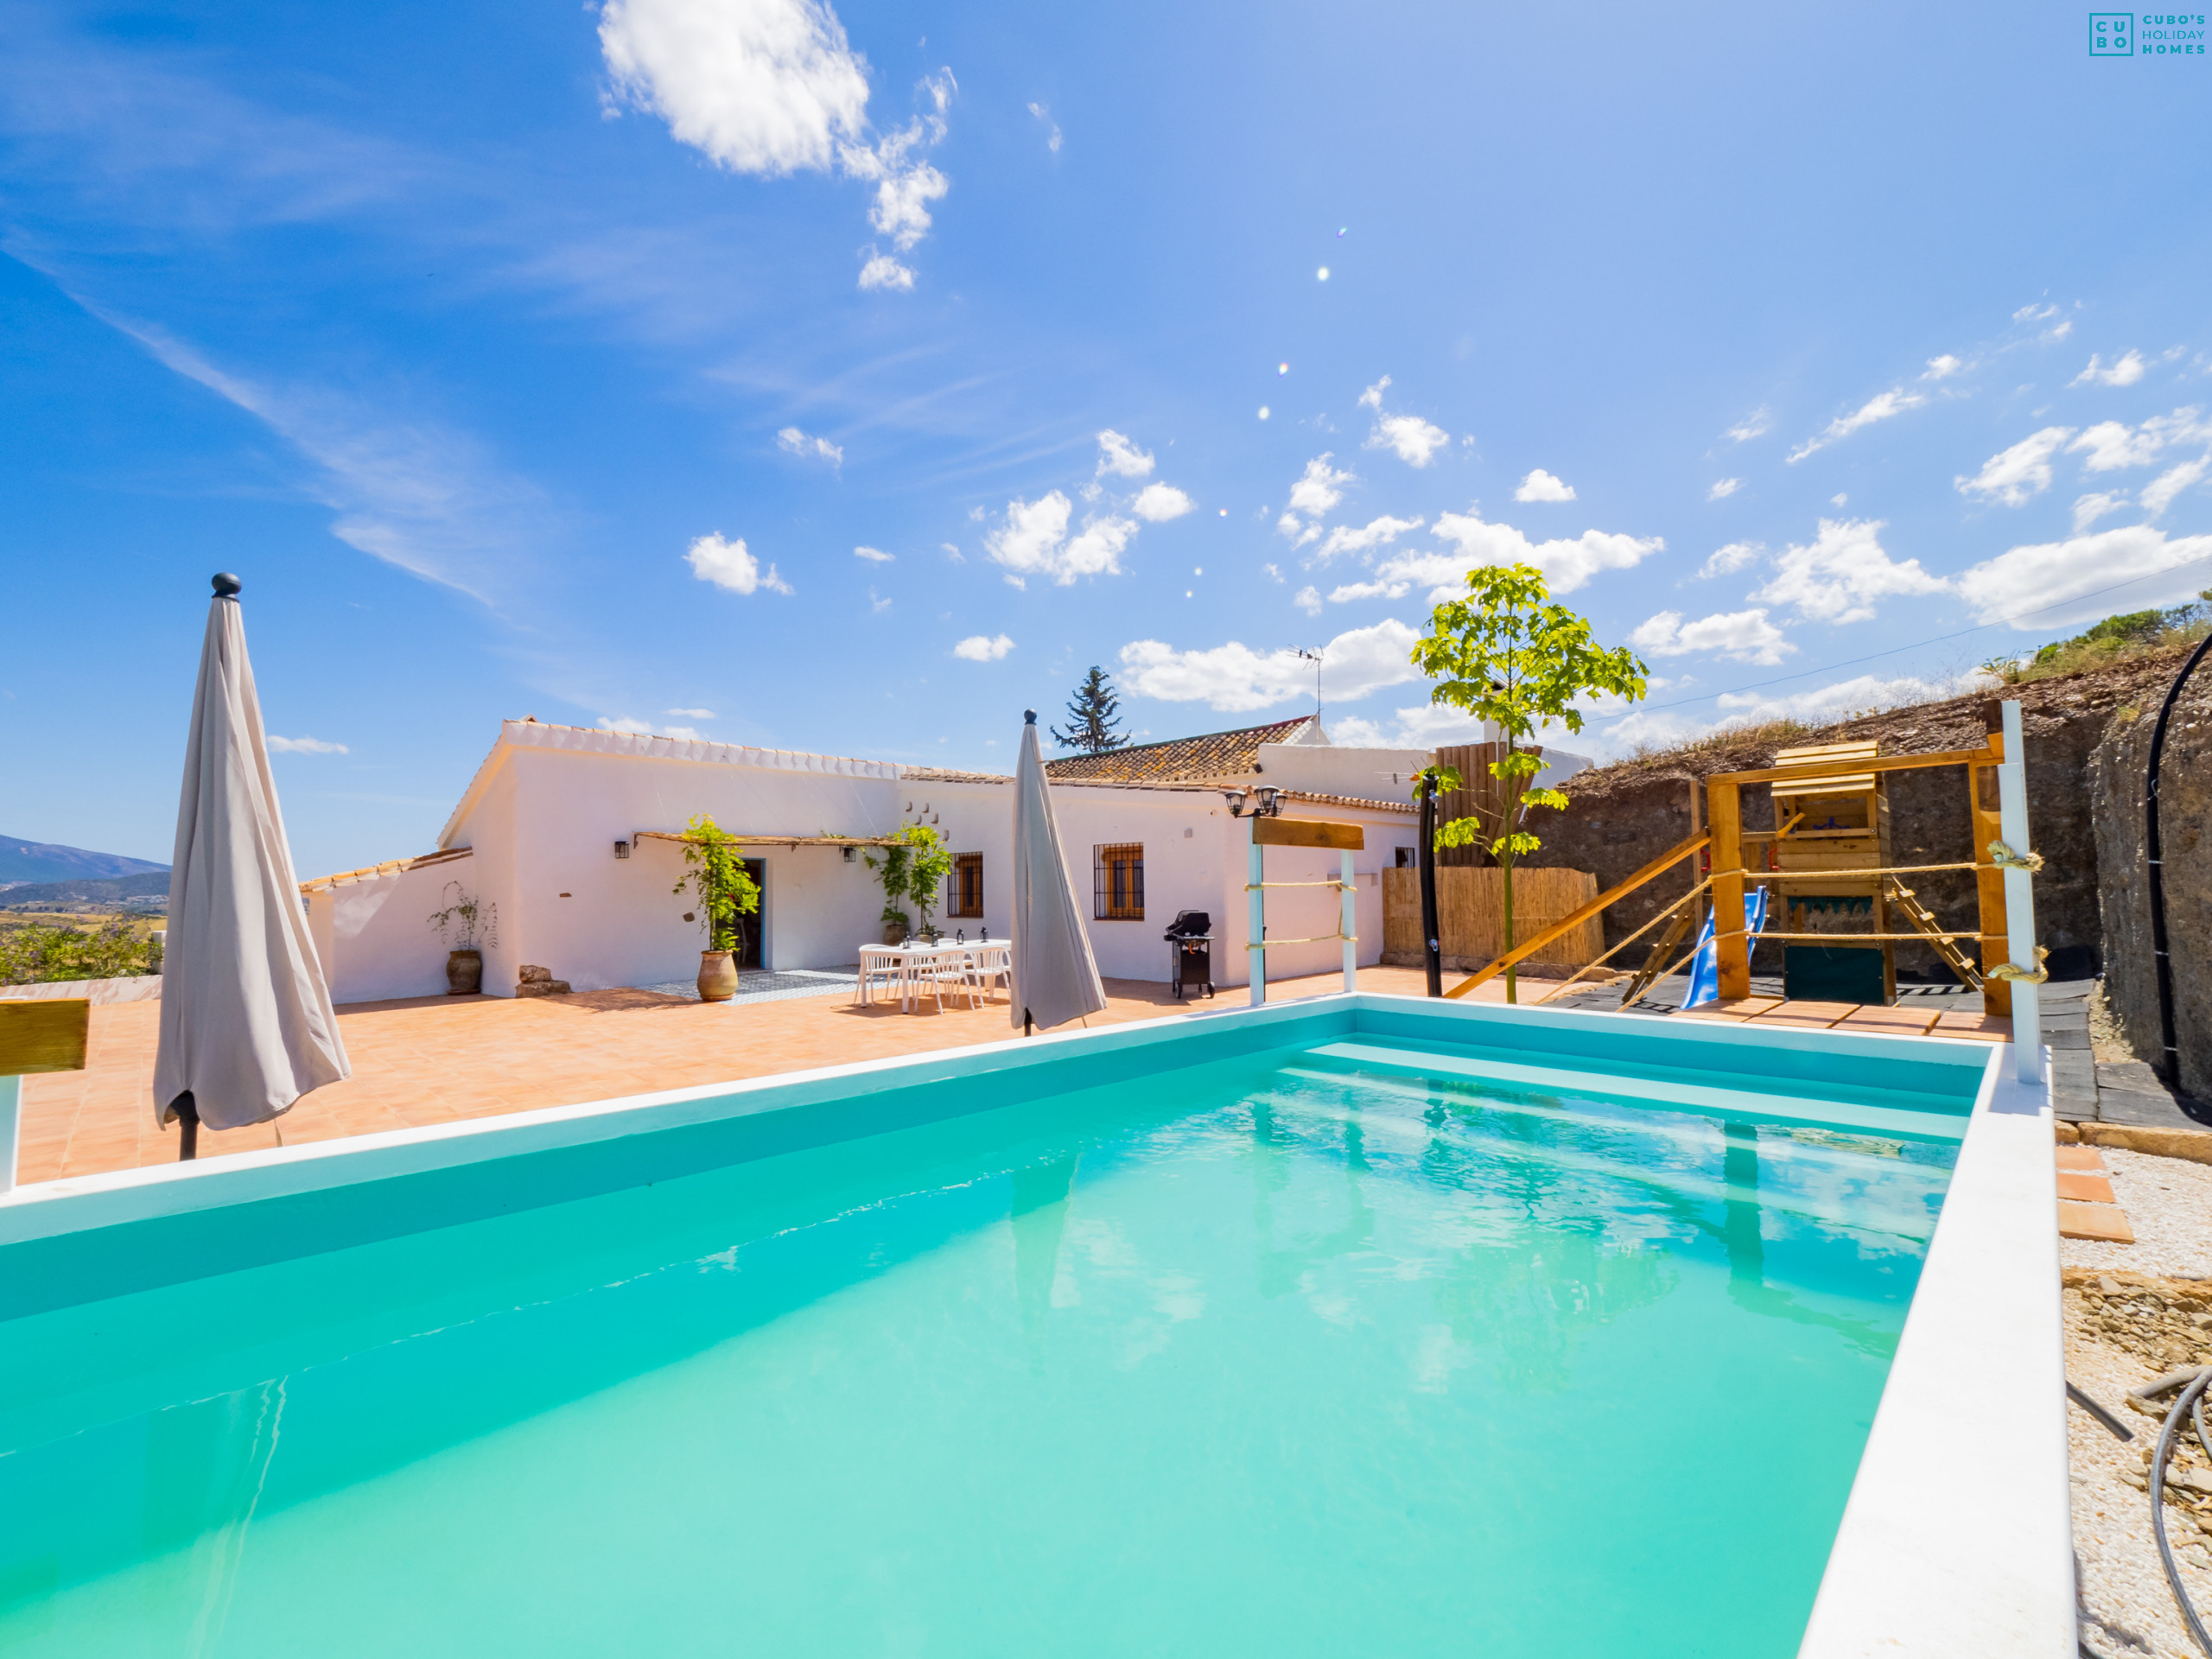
[[1958, 1537]]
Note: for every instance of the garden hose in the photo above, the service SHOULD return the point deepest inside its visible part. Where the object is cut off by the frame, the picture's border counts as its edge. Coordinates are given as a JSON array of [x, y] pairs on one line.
[[2191, 1404]]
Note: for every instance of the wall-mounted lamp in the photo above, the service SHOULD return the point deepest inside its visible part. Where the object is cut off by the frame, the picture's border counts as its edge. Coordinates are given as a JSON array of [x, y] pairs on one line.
[[621, 849], [852, 855], [1236, 799], [1270, 800]]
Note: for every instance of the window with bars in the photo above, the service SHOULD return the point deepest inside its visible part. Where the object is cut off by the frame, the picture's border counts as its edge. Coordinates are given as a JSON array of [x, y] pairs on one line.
[[1117, 883], [966, 898]]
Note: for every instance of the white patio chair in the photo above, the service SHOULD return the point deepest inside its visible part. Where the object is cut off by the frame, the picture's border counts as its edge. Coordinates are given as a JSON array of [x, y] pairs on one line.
[[881, 970], [995, 966], [949, 973]]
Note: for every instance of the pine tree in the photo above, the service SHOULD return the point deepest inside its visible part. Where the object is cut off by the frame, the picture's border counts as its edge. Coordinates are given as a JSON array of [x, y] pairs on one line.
[[1092, 718]]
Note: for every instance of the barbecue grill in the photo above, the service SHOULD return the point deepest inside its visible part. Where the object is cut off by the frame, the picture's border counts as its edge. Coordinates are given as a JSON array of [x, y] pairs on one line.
[[1190, 942]]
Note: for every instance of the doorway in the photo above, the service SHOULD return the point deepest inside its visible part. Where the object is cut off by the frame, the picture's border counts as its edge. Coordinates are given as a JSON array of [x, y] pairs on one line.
[[754, 929]]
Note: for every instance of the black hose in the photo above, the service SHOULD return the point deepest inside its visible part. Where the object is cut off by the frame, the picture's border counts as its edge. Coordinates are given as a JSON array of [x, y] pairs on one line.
[[2187, 1406], [2099, 1413], [2170, 1054], [1432, 949]]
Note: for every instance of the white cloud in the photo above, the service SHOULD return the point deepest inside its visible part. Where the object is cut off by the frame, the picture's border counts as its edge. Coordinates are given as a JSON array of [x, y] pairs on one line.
[[2017, 475], [1034, 542], [2088, 509], [1756, 424], [1724, 489], [2112, 445], [873, 555], [1747, 636], [1839, 576], [729, 565], [2055, 584], [1044, 115], [1157, 502], [1379, 532], [793, 442], [1234, 678], [1540, 485], [982, 648], [1414, 441], [1116, 454], [1728, 560], [1943, 368], [1308, 599], [1881, 407], [1372, 397], [1318, 490], [1567, 563], [646, 728], [690, 714], [2159, 493], [2123, 373], [877, 605], [1861, 693], [951, 551], [2034, 312], [883, 271], [764, 87], [305, 745]]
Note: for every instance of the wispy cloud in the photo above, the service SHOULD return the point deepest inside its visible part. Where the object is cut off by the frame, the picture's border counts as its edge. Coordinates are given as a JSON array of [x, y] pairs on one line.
[[873, 555], [1044, 115], [2017, 475], [792, 441], [1725, 488], [1756, 424], [2124, 372], [305, 745], [1881, 407]]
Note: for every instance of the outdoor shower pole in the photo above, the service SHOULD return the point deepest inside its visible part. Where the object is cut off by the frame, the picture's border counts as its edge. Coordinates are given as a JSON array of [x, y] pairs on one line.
[[1255, 916], [1432, 954], [2019, 901], [1350, 927], [11, 1097]]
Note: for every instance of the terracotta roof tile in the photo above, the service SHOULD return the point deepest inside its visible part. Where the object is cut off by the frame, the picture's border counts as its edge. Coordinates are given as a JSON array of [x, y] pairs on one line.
[[1181, 759]]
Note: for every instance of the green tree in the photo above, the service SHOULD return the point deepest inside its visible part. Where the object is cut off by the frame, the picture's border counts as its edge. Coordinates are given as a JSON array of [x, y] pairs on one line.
[[1509, 655], [1093, 715], [914, 867], [718, 875]]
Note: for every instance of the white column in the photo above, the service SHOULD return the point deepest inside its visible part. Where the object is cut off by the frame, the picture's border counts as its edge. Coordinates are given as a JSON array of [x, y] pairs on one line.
[[1255, 918], [1350, 926], [2019, 901], [11, 1097]]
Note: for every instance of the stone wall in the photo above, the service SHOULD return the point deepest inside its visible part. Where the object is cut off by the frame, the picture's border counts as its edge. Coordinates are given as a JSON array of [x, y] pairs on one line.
[[2118, 774], [1621, 817]]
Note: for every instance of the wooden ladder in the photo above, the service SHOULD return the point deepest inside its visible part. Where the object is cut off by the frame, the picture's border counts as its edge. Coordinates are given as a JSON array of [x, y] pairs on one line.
[[1917, 914], [1663, 952]]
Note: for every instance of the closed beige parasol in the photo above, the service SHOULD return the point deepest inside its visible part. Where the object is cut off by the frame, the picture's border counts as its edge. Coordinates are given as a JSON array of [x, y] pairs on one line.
[[246, 1022], [1055, 978]]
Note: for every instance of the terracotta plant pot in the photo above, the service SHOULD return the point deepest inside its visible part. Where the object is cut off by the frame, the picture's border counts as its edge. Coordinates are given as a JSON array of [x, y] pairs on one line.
[[717, 976], [894, 932], [464, 972]]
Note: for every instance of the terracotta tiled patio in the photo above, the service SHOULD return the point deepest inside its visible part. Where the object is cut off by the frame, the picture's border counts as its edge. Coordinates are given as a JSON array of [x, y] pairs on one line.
[[431, 1060]]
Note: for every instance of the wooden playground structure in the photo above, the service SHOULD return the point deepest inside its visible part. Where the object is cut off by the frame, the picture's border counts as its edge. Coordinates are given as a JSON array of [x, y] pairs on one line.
[[1828, 852]]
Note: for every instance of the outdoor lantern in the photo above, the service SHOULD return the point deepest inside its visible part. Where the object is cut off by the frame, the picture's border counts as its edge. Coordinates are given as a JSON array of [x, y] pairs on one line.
[[1270, 800], [621, 849], [1236, 799]]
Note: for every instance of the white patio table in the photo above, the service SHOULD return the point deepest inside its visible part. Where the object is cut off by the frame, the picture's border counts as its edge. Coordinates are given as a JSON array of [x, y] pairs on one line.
[[912, 970]]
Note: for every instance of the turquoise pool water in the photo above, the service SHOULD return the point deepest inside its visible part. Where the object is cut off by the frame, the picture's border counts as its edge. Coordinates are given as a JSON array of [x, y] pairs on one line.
[[1344, 1348]]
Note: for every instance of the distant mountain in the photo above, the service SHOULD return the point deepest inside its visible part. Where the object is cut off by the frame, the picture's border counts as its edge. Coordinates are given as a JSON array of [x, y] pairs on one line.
[[37, 860], [109, 889]]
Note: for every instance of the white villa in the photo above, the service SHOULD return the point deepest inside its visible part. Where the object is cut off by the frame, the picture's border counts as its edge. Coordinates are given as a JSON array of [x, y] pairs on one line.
[[570, 833]]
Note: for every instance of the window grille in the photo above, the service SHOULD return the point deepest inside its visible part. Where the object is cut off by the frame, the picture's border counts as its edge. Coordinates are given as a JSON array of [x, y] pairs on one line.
[[967, 893], [1117, 883]]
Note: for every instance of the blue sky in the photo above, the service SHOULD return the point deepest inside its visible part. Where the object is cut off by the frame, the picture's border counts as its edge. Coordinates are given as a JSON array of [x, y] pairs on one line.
[[849, 380]]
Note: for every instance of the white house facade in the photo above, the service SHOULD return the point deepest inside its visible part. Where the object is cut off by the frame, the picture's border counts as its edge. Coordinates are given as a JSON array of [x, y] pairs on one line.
[[562, 832]]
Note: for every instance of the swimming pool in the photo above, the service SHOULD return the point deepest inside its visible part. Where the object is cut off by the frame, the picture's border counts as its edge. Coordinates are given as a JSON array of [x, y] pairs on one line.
[[1356, 1326]]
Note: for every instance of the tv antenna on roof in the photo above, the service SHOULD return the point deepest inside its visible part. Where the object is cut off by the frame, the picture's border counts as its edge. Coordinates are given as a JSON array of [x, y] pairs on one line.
[[1314, 658]]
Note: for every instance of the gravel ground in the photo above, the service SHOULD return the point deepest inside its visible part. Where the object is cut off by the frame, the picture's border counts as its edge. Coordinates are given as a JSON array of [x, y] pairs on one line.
[[2127, 1609]]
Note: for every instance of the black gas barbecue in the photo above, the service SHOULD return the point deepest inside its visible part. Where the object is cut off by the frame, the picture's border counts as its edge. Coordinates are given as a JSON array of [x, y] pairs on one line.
[[1190, 940]]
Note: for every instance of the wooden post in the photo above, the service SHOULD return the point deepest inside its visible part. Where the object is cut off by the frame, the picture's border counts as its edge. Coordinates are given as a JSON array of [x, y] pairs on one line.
[[36, 1035], [1732, 950]]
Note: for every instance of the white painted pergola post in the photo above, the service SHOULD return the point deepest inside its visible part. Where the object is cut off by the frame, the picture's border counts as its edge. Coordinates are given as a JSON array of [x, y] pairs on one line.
[[1350, 926], [11, 1116], [2019, 901], [1255, 917]]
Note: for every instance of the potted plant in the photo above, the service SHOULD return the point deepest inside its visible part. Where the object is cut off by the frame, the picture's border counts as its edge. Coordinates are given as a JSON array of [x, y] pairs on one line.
[[914, 867], [717, 874], [464, 926]]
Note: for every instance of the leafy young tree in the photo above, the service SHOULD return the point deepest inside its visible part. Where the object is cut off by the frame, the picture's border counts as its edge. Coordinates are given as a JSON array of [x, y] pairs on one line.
[[1509, 655], [1093, 716], [914, 867], [714, 869]]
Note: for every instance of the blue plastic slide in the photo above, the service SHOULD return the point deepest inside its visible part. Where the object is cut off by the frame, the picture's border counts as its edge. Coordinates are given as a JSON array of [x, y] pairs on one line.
[[1705, 966]]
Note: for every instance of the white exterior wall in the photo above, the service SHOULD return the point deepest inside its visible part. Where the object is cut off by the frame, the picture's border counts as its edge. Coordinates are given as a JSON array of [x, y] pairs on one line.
[[1364, 775], [542, 817]]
